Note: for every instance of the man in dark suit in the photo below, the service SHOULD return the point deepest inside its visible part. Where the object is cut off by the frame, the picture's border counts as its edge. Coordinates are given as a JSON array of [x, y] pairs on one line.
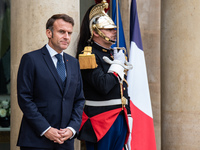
[[50, 94]]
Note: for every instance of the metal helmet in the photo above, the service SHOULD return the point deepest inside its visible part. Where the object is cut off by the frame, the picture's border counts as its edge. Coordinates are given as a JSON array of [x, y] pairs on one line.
[[100, 20], [105, 22]]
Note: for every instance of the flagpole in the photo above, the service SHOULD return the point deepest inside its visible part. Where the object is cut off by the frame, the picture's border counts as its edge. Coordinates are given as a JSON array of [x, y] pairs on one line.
[[117, 22]]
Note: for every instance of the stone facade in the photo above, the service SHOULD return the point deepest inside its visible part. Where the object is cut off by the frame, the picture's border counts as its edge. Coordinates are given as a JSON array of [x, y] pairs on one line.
[[170, 41]]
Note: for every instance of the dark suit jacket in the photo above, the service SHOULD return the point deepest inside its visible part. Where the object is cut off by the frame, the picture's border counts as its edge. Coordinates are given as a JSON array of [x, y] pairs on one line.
[[43, 99]]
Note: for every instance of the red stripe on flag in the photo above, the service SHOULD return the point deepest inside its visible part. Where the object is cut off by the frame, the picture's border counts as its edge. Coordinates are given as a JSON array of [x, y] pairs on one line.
[[143, 136]]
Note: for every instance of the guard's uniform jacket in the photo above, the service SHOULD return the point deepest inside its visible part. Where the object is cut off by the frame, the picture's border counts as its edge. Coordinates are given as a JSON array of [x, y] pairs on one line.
[[104, 88]]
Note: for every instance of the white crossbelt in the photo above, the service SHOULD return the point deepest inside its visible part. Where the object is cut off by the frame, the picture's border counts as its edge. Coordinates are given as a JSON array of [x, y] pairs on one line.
[[104, 103]]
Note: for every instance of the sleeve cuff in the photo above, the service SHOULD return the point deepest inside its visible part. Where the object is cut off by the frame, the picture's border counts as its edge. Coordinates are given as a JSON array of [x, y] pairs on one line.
[[73, 131], [118, 69], [45, 131]]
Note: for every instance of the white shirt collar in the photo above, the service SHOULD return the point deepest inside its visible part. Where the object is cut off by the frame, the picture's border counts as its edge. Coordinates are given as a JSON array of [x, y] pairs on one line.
[[52, 52]]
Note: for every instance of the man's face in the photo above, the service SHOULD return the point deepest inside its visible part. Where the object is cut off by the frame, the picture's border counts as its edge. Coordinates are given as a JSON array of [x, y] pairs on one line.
[[60, 38], [110, 33]]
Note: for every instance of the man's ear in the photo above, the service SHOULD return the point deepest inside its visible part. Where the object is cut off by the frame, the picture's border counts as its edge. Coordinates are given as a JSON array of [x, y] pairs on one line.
[[95, 34], [49, 33]]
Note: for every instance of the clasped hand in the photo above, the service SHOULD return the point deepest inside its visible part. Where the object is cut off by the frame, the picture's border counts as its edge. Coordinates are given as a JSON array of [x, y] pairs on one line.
[[58, 136]]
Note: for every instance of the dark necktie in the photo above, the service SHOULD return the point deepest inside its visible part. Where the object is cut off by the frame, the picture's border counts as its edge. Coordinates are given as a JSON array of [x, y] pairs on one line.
[[60, 67]]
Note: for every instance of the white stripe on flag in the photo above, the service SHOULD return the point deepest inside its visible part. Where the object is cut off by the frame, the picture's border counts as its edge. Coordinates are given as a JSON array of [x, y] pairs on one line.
[[137, 80]]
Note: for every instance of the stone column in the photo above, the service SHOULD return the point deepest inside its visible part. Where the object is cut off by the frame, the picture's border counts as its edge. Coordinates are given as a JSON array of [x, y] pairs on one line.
[[28, 19], [180, 74], [149, 18]]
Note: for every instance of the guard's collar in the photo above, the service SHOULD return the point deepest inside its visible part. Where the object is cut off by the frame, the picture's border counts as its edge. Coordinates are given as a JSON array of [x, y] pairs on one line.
[[101, 48]]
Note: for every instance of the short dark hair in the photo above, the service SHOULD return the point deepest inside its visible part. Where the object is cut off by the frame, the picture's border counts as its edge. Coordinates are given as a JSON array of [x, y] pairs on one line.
[[65, 17]]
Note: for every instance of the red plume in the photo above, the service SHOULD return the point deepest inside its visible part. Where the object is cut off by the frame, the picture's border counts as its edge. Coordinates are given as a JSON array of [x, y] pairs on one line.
[[99, 1]]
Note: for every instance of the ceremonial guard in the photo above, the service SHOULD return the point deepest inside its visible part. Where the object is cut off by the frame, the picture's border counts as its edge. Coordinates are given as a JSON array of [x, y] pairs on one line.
[[104, 121]]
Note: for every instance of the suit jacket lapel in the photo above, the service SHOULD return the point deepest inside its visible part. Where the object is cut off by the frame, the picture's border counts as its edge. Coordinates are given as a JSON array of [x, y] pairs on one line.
[[68, 70], [51, 67]]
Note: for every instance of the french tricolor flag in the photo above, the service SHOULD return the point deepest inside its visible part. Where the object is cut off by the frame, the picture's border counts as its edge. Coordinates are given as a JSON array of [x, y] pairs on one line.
[[142, 136]]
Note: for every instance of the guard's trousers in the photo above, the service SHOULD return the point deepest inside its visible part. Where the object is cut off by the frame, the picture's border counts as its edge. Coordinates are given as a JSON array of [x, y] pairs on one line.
[[114, 138]]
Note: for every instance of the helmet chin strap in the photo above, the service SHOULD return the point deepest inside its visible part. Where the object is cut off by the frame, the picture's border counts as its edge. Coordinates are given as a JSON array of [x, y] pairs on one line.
[[102, 34]]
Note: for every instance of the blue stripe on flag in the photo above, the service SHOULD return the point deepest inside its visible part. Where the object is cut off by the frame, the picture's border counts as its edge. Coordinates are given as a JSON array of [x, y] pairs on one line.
[[135, 35]]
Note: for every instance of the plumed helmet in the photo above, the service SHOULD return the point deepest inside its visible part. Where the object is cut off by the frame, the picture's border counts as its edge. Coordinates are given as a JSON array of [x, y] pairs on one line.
[[100, 20]]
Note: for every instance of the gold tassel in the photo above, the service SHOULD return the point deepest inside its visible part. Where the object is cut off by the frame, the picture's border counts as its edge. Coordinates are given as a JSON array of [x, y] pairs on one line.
[[87, 60]]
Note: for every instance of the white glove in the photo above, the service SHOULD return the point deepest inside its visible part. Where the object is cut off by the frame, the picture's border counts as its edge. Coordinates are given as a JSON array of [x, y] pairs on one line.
[[119, 55], [127, 65], [118, 64], [122, 58]]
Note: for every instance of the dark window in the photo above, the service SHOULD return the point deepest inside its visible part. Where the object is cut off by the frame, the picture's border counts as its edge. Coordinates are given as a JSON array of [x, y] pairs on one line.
[[4, 47]]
